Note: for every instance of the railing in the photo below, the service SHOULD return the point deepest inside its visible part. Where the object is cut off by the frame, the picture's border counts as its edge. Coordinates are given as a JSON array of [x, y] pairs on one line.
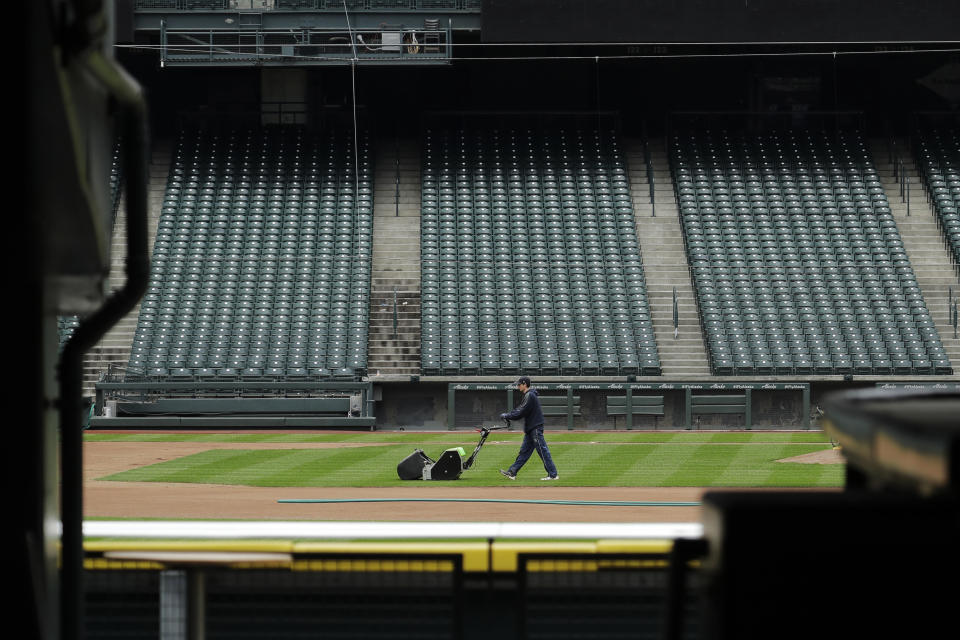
[[380, 5], [182, 594], [182, 5], [918, 147], [304, 46], [440, 586], [283, 112], [764, 121], [899, 169], [396, 192], [535, 120], [952, 311], [201, 401], [471, 6], [650, 179], [955, 316], [900, 174], [395, 322], [676, 314]]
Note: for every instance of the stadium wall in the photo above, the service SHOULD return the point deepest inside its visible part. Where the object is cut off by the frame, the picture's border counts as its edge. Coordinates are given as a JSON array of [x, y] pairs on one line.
[[644, 84], [718, 21], [426, 405]]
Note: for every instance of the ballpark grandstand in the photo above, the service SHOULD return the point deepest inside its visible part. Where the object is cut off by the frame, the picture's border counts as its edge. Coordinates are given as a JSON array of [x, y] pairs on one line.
[[354, 224]]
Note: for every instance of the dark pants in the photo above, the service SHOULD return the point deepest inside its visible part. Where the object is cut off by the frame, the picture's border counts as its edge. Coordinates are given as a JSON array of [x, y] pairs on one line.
[[533, 441]]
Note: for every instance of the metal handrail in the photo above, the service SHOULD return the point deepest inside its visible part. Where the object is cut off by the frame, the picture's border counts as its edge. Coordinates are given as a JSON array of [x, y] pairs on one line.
[[900, 175], [907, 181], [467, 6], [952, 311], [396, 196], [650, 178], [676, 314], [956, 316], [312, 45]]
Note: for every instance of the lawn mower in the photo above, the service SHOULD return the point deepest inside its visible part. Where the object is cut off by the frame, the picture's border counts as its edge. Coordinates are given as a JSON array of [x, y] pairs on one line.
[[450, 464]]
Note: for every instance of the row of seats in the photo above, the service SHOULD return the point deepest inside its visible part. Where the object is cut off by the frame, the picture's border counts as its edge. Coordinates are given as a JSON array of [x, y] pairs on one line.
[[529, 256], [116, 176], [938, 160], [797, 261], [262, 260], [66, 325]]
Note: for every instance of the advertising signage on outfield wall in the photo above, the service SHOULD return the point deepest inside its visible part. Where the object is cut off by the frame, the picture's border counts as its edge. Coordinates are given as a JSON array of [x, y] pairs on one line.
[[631, 399], [639, 386]]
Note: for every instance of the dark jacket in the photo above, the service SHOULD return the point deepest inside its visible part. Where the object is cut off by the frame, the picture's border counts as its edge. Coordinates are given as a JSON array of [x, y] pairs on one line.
[[528, 409]]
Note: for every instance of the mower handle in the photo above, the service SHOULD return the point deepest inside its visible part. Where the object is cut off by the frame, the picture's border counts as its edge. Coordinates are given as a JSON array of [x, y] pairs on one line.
[[488, 429]]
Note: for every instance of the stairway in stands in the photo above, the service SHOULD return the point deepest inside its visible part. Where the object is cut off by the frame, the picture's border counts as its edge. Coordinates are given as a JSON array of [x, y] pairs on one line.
[[395, 287], [114, 347], [922, 240], [665, 263]]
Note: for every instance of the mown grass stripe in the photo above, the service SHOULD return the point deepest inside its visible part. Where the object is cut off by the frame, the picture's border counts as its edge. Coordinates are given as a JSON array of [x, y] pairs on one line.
[[635, 466], [299, 464], [574, 461], [680, 464], [464, 437], [212, 467], [742, 461], [665, 461], [348, 466], [784, 473], [697, 467]]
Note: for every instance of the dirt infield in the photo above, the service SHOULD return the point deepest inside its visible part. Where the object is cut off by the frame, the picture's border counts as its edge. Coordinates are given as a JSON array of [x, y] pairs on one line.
[[104, 499]]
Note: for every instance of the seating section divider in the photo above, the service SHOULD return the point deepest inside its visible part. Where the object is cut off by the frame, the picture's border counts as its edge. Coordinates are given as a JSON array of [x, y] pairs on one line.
[[938, 161]]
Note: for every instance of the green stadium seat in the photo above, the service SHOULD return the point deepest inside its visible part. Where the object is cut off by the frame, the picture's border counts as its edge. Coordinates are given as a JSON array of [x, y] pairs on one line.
[[475, 237], [243, 253], [818, 241]]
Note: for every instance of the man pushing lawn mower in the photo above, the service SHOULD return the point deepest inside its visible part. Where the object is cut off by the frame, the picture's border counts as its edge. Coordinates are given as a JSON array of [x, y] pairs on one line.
[[529, 409]]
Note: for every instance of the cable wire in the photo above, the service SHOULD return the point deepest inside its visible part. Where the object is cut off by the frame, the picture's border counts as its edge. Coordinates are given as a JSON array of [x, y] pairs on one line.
[[630, 56]]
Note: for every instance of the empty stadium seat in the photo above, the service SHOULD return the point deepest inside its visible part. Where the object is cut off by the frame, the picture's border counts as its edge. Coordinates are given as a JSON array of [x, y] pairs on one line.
[[528, 241], [938, 161], [790, 231], [263, 234]]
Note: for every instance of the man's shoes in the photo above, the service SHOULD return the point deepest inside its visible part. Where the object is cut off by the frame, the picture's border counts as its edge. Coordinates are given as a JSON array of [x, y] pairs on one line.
[[507, 474], [556, 477]]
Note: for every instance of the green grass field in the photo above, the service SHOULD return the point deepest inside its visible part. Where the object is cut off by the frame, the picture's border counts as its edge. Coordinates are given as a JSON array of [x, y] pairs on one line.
[[588, 459]]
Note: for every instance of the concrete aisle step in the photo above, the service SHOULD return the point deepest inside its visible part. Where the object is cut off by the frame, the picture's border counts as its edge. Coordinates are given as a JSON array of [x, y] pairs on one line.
[[396, 263], [922, 240], [114, 347], [665, 265]]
